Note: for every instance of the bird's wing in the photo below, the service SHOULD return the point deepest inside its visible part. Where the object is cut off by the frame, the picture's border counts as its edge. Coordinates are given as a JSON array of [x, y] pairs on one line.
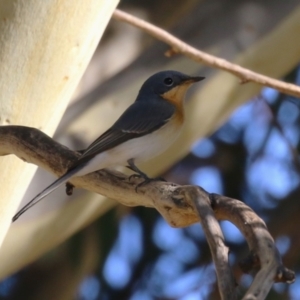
[[138, 120]]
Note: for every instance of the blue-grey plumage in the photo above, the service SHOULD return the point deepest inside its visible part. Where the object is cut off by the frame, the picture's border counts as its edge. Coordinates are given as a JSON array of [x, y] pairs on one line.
[[144, 130]]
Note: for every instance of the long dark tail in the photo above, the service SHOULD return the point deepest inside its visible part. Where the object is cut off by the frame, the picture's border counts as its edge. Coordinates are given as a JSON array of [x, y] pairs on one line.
[[53, 186]]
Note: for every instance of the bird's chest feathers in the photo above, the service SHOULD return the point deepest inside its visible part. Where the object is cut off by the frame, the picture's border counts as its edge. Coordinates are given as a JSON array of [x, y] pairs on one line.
[[150, 145], [158, 141], [176, 97]]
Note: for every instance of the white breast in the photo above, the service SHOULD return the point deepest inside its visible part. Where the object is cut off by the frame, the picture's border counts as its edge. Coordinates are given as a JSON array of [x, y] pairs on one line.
[[140, 149], [150, 145]]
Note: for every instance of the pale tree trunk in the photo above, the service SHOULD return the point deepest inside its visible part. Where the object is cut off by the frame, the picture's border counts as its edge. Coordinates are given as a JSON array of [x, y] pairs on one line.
[[45, 47]]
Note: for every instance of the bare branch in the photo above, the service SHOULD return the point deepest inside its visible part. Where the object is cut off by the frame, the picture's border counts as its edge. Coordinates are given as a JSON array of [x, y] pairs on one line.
[[260, 243], [201, 202], [33, 146], [179, 205], [178, 46]]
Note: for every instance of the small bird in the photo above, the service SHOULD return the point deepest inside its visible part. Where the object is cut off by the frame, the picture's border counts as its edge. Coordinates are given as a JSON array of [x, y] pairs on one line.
[[146, 128]]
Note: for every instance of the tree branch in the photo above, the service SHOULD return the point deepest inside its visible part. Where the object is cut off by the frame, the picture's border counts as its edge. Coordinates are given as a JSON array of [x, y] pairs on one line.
[[202, 205], [179, 205], [178, 46], [260, 242]]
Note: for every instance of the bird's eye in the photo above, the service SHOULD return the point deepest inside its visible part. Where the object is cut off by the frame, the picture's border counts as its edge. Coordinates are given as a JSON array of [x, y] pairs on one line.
[[168, 81]]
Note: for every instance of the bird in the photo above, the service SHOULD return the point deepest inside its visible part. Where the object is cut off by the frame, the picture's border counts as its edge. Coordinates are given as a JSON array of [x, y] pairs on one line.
[[146, 128]]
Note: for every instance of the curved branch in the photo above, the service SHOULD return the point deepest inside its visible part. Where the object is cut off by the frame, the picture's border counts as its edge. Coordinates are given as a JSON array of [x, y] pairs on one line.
[[178, 46], [260, 242], [179, 205], [211, 227]]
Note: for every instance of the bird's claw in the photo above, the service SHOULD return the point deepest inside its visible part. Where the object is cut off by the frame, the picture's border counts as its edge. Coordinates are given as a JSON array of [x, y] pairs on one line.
[[146, 180], [140, 174], [134, 176]]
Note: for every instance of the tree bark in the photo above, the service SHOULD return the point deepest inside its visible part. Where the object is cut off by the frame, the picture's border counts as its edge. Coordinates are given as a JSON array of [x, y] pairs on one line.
[[45, 47]]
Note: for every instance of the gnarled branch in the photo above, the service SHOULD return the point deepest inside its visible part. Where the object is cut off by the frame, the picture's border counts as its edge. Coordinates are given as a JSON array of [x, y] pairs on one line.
[[179, 205]]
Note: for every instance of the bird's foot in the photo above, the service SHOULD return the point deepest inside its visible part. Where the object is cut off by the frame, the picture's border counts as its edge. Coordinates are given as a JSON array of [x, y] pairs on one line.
[[148, 180], [69, 188], [140, 174]]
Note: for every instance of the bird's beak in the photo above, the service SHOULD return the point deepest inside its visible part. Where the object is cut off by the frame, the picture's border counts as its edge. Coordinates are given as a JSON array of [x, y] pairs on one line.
[[197, 78], [193, 79]]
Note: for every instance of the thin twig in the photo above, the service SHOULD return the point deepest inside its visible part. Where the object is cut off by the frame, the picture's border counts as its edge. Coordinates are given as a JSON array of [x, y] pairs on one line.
[[178, 46]]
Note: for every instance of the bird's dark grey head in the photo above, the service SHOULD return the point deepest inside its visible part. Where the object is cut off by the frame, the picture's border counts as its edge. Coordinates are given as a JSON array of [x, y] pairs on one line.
[[162, 82]]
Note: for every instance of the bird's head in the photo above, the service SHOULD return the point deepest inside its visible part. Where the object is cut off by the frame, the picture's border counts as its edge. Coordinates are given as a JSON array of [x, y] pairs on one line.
[[170, 85]]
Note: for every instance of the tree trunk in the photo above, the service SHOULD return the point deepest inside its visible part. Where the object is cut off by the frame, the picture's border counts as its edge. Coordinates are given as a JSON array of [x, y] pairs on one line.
[[45, 47]]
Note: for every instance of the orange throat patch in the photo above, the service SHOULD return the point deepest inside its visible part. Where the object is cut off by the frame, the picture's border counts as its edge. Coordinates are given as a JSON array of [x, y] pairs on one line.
[[176, 96]]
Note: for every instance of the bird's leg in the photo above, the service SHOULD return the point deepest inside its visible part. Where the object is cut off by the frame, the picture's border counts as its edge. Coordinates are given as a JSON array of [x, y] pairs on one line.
[[135, 169], [141, 174], [69, 188]]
